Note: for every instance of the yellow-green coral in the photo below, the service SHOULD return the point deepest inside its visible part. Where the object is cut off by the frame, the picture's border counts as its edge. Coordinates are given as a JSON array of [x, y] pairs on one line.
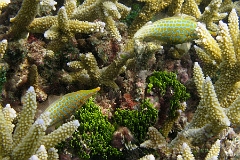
[[209, 110], [106, 11], [3, 47], [186, 152], [88, 73], [150, 8], [190, 7], [3, 3], [225, 52], [25, 16], [212, 154], [29, 138]]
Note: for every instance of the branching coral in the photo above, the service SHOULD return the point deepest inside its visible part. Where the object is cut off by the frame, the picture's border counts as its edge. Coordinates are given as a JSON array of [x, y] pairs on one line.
[[105, 10], [72, 19], [61, 28], [157, 141], [3, 47], [4, 3], [28, 135], [88, 72], [227, 56], [24, 17], [212, 154], [218, 108], [210, 119], [180, 29], [148, 11]]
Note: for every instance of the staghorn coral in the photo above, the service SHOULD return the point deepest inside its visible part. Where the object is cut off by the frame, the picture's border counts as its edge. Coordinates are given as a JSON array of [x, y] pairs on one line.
[[212, 154], [181, 148], [182, 27], [105, 10], [209, 120], [29, 137], [61, 28], [74, 19], [46, 6], [3, 47], [224, 54], [4, 3], [150, 8], [148, 157], [211, 14], [33, 81], [25, 16], [88, 72], [128, 70]]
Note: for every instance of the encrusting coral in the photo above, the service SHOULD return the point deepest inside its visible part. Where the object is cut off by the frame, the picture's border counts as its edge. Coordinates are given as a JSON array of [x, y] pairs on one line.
[[28, 135]]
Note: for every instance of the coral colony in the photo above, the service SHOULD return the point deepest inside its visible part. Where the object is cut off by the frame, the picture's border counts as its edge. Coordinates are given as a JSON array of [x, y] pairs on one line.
[[168, 72]]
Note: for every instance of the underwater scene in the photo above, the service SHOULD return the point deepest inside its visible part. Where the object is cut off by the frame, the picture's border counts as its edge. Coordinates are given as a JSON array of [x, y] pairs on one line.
[[119, 80]]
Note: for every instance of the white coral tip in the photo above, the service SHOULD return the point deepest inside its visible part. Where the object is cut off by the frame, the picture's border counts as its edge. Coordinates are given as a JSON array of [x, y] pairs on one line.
[[76, 123], [4, 41], [33, 157], [196, 64], [184, 145], [31, 89], [40, 121], [41, 148], [151, 157]]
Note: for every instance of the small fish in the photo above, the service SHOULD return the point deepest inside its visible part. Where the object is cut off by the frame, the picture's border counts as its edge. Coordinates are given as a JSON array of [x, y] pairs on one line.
[[65, 106], [173, 30]]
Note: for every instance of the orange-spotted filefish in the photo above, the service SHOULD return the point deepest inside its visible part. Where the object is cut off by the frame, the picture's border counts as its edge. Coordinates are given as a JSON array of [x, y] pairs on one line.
[[173, 30], [65, 106]]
